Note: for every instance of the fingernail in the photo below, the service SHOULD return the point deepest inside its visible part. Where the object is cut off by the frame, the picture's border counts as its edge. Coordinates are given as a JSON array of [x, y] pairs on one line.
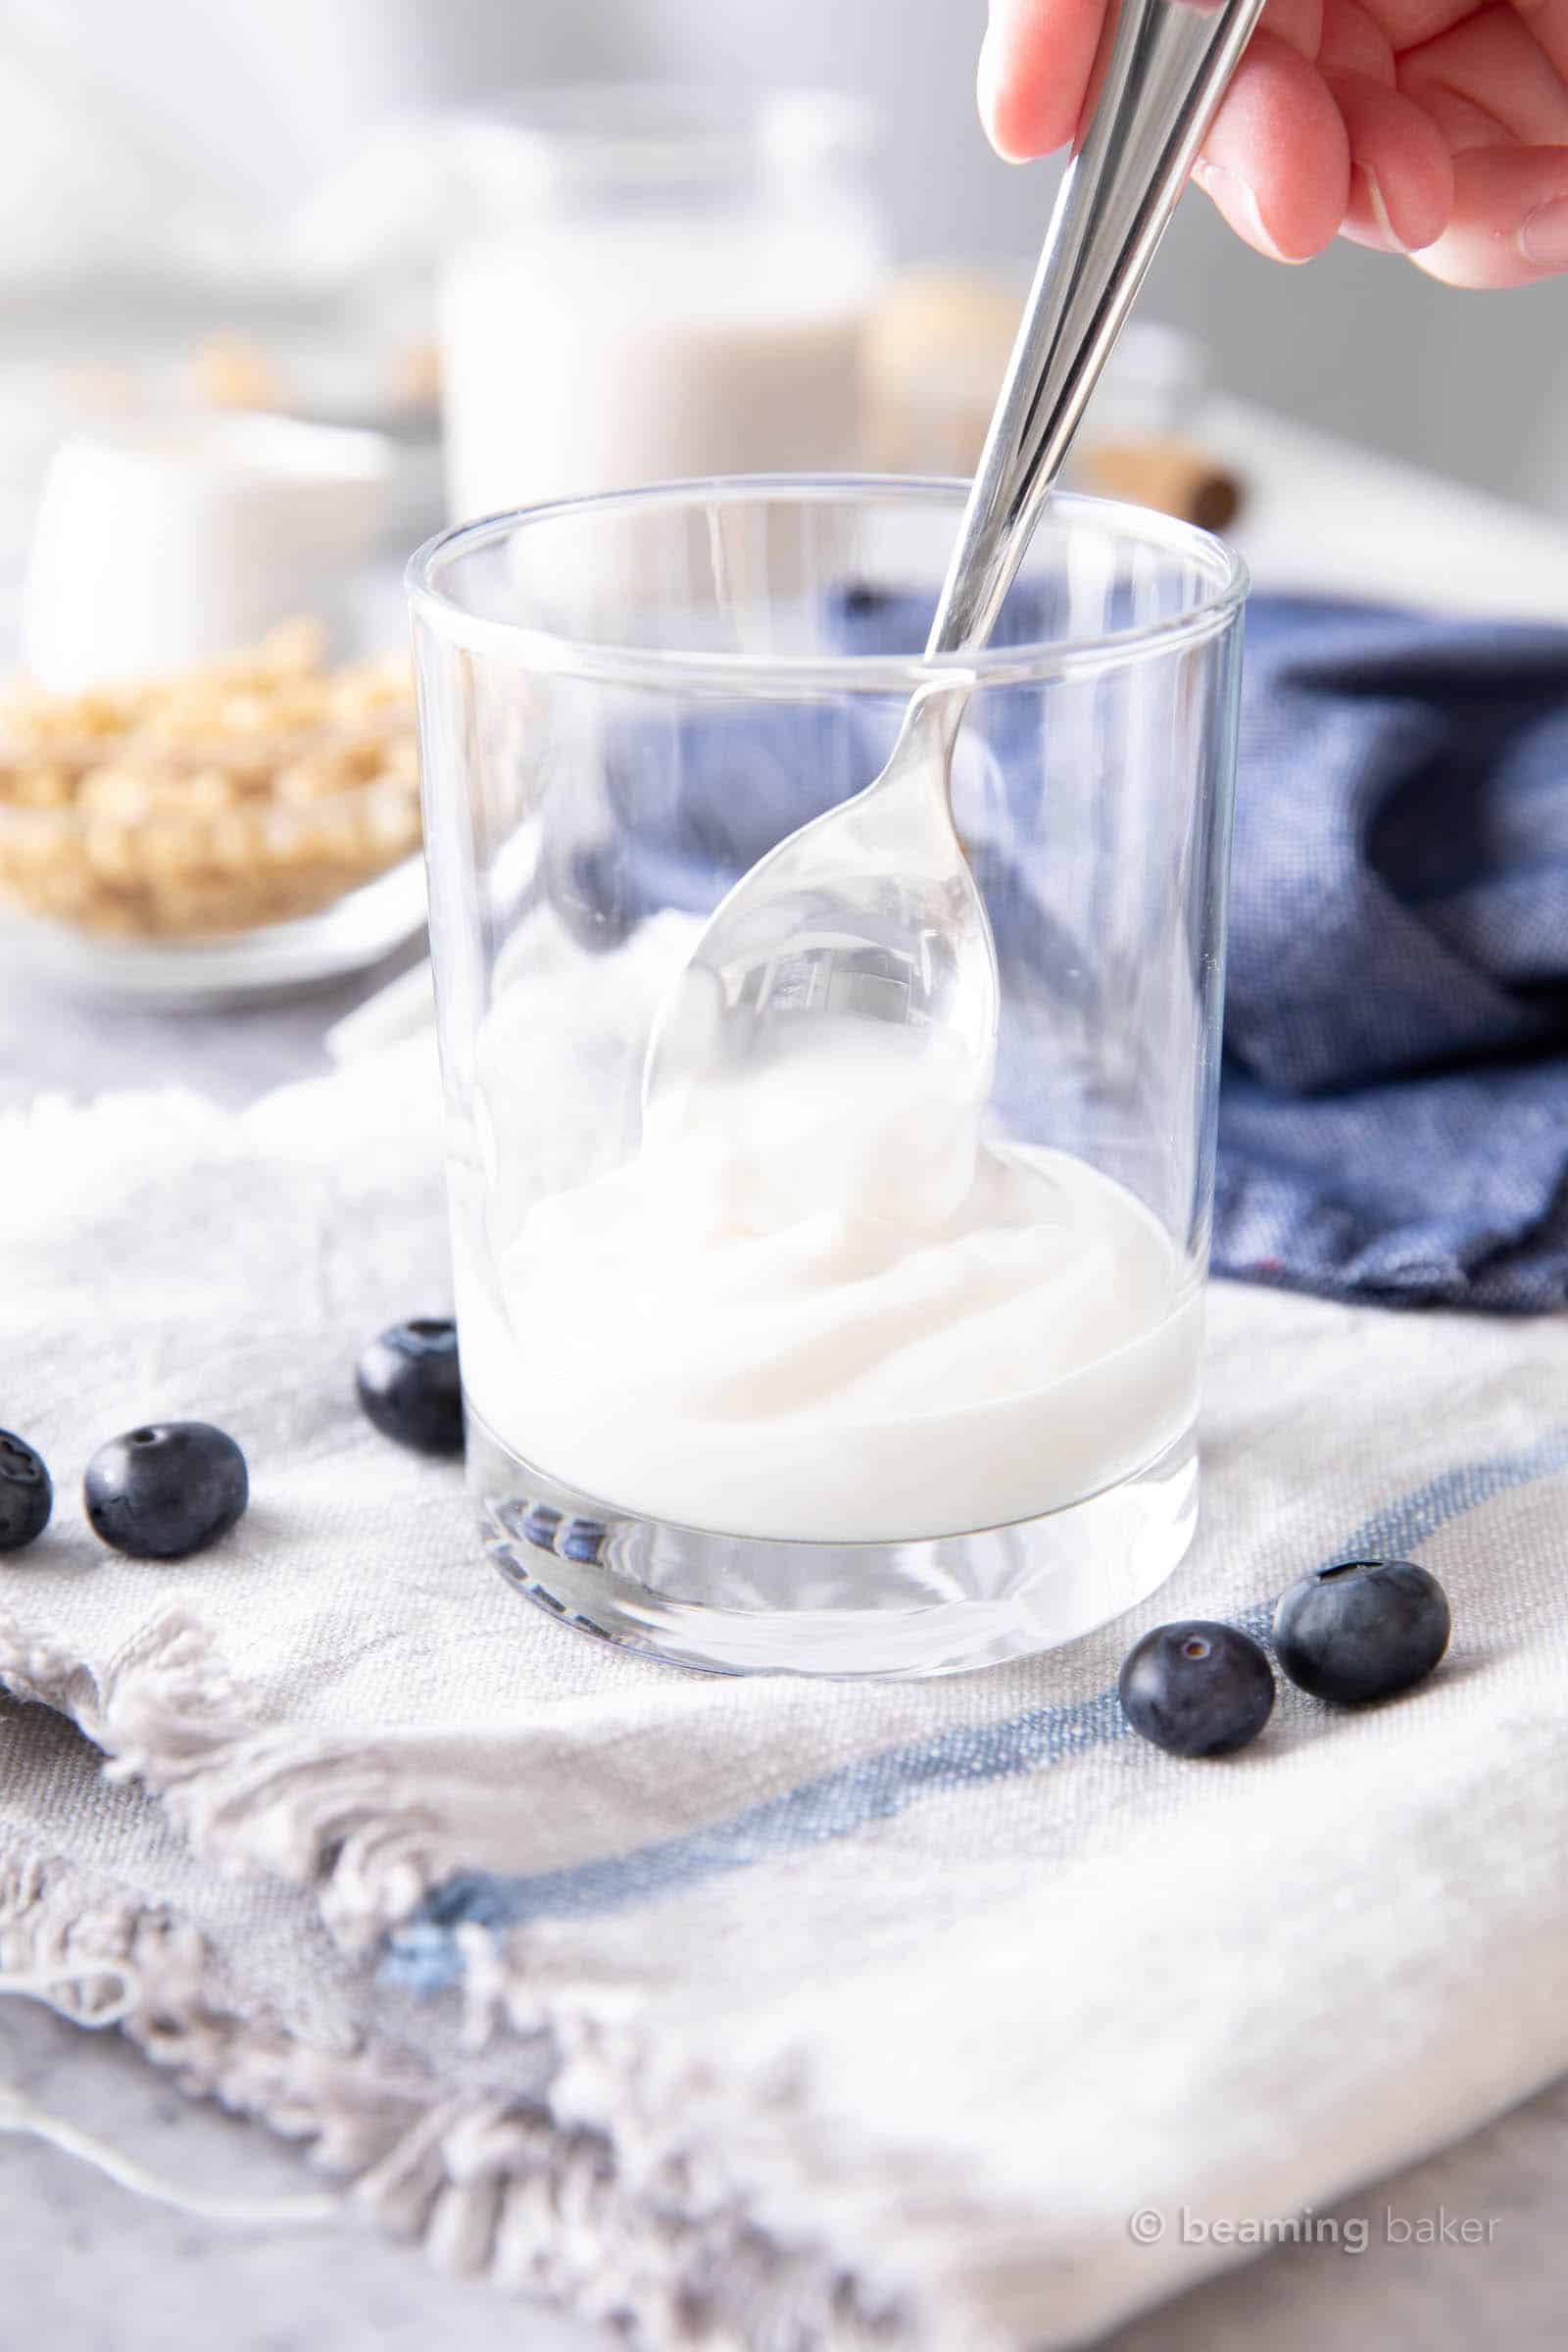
[[985, 84], [1544, 235], [1235, 198], [1379, 210], [988, 78]]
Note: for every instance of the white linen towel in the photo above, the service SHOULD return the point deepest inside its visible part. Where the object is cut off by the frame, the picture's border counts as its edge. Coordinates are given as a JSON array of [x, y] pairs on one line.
[[758, 2014]]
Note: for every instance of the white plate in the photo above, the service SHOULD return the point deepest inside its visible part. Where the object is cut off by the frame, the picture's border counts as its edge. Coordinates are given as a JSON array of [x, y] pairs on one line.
[[348, 936]]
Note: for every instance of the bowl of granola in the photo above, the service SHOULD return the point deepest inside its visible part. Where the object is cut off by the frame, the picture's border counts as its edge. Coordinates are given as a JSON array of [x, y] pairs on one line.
[[248, 823]]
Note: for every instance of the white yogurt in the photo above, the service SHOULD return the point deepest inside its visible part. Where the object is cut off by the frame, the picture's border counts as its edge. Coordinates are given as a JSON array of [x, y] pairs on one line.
[[814, 1306]]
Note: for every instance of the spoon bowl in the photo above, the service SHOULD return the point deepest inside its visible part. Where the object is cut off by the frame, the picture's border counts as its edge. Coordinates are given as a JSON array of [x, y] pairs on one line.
[[868, 913], [871, 911]]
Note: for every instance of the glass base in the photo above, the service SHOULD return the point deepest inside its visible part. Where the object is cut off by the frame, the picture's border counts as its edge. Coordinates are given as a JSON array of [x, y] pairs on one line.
[[736, 1605]]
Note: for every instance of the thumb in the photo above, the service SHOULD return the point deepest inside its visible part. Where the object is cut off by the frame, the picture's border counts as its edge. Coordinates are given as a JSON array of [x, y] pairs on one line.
[[1035, 65]]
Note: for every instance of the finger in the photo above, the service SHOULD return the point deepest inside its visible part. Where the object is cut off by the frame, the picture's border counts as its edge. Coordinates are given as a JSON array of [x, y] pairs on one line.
[[1299, 23], [1490, 65], [1038, 55], [1401, 187], [1365, 219], [1407, 22], [1035, 63], [1547, 20], [1354, 42], [1277, 161], [1510, 225]]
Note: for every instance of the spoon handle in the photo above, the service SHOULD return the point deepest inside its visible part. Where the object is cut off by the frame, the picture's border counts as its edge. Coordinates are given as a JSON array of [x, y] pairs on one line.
[[1160, 75]]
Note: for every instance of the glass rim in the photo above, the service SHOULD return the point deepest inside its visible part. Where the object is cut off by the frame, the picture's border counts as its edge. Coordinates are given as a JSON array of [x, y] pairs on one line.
[[553, 653]]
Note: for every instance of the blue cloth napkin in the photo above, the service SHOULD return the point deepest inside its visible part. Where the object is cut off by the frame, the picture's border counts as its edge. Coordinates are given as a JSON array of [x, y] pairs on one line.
[[1394, 1117], [1394, 1113]]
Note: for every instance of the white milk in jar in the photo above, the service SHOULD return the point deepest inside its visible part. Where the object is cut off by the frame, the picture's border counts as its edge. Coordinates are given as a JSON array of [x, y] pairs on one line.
[[680, 289]]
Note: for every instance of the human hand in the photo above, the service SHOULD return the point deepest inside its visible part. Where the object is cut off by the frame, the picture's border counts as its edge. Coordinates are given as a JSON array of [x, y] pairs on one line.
[[1432, 127]]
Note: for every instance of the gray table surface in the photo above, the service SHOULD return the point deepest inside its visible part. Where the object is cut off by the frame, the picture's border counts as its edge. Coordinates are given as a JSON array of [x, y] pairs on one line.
[[84, 2267]]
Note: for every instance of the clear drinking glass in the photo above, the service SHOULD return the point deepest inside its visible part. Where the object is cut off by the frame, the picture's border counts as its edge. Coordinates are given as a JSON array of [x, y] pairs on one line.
[[838, 1393]]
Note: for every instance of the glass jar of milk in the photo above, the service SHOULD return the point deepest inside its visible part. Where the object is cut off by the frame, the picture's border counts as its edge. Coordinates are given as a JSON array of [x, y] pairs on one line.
[[679, 287]]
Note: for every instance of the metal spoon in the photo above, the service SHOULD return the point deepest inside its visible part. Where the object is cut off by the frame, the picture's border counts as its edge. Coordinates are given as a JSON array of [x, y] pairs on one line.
[[871, 911]]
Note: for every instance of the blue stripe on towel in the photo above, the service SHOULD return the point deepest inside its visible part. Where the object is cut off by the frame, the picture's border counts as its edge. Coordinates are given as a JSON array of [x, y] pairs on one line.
[[423, 1955]]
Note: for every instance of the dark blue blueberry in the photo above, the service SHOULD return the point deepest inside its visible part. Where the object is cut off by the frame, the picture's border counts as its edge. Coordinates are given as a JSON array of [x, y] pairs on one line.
[[26, 1493], [408, 1383], [1361, 1629], [590, 895], [1196, 1688], [166, 1490], [583, 1539], [540, 1525]]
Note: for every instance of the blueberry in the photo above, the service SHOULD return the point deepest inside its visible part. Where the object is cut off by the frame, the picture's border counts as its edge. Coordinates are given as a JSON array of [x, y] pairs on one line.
[[590, 897], [26, 1493], [407, 1385], [584, 1540], [166, 1490], [1196, 1688], [540, 1525], [1361, 1629]]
